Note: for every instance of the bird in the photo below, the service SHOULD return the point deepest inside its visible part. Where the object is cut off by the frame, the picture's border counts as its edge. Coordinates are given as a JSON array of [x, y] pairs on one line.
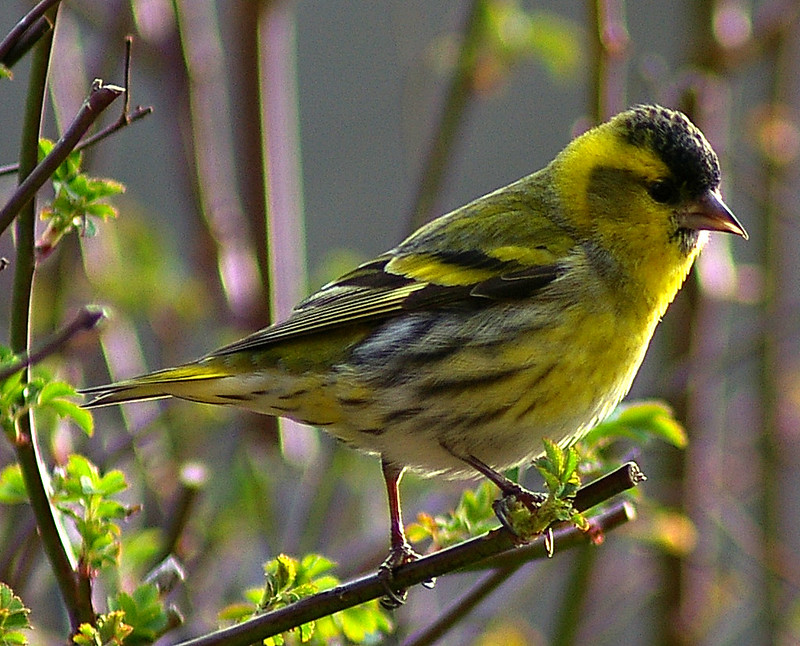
[[523, 315]]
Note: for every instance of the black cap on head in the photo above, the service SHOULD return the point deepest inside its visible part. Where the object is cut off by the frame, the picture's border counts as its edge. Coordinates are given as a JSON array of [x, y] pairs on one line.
[[677, 141]]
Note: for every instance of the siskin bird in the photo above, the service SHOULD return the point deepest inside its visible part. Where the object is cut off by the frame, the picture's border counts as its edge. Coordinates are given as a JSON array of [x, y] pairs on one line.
[[524, 314]]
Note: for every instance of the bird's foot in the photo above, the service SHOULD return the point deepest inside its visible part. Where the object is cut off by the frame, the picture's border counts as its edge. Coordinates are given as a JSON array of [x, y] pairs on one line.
[[399, 555], [518, 511]]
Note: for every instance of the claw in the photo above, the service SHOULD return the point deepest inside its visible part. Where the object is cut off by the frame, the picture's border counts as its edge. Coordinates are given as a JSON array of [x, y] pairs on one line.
[[399, 555], [507, 509]]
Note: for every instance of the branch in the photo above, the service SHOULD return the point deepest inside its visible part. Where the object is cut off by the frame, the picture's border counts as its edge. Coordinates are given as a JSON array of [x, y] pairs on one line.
[[458, 610], [85, 320], [12, 40], [126, 118], [100, 97], [26, 41], [486, 550]]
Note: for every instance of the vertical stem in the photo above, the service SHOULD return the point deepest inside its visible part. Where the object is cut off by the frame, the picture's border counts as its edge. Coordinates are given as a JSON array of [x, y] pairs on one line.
[[248, 137], [214, 154], [34, 474], [772, 373]]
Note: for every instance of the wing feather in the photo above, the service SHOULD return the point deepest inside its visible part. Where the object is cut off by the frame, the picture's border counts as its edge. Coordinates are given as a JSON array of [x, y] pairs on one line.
[[371, 292]]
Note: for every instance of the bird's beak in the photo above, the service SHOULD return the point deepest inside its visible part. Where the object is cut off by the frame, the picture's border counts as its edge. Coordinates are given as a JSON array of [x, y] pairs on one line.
[[710, 213]]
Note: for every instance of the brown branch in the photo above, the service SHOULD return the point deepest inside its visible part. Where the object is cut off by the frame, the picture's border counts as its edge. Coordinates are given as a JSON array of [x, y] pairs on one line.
[[486, 550], [100, 97], [29, 20], [85, 320], [126, 118]]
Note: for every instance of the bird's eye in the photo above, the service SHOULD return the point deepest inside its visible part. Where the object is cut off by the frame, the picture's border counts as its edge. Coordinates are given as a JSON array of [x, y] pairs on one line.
[[663, 191]]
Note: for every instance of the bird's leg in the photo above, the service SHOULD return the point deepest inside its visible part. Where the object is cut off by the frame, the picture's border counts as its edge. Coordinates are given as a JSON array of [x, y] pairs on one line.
[[513, 493], [400, 551]]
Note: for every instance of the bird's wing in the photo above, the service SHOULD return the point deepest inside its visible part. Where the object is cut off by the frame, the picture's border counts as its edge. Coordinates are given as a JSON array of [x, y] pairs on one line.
[[411, 278]]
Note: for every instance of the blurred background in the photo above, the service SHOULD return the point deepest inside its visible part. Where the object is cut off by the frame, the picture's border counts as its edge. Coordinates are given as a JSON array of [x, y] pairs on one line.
[[291, 140]]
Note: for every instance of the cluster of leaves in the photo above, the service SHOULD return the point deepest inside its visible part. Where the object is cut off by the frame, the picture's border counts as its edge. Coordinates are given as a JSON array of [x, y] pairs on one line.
[[636, 423], [472, 516], [288, 580], [40, 394], [84, 495], [133, 619], [78, 199], [81, 493]]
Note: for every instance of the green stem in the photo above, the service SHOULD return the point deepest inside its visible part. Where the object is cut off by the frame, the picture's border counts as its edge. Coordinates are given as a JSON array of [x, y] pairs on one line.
[[27, 451]]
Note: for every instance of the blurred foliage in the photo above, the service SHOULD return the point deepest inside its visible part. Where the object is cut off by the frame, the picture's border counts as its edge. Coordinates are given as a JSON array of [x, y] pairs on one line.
[[78, 200], [13, 618], [289, 580], [39, 394]]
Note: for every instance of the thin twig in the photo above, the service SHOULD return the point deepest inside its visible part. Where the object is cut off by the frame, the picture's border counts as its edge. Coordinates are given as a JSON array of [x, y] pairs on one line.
[[492, 545], [85, 320], [28, 20], [461, 608], [126, 118], [100, 97]]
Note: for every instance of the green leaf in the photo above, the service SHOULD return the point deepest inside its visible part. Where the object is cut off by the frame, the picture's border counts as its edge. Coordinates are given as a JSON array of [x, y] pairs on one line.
[[12, 485], [82, 494], [45, 146], [13, 617], [109, 629], [70, 410], [144, 613], [289, 580], [640, 422], [55, 390], [78, 198]]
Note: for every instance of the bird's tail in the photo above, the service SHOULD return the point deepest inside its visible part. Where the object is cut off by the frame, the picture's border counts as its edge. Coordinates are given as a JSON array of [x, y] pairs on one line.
[[172, 382]]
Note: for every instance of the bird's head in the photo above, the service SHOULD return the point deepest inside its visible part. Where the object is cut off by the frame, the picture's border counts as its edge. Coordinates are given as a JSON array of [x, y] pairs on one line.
[[647, 174]]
